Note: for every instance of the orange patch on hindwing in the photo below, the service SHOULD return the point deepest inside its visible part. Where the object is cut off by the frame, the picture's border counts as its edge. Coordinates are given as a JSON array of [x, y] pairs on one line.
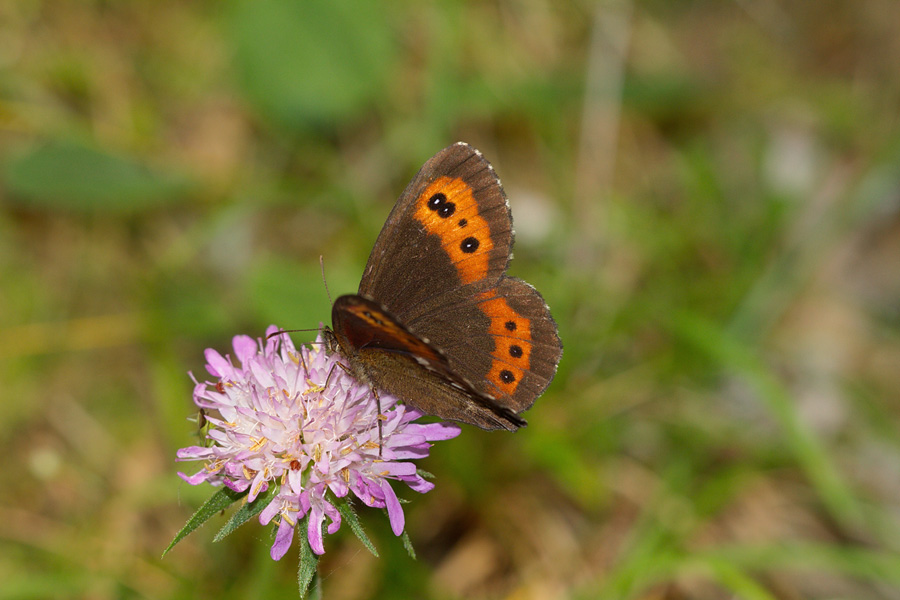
[[448, 209], [511, 333]]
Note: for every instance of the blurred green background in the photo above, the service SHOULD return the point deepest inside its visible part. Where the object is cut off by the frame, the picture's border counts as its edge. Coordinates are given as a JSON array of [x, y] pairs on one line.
[[707, 193]]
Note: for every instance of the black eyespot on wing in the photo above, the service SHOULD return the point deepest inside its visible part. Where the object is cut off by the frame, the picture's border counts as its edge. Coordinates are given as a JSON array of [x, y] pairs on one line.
[[443, 207], [469, 245]]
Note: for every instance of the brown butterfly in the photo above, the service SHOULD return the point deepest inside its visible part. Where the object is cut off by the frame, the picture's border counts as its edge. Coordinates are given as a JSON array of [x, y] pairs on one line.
[[437, 322]]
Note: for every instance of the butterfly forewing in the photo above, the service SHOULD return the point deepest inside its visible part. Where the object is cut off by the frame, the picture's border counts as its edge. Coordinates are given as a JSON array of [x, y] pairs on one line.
[[451, 227]]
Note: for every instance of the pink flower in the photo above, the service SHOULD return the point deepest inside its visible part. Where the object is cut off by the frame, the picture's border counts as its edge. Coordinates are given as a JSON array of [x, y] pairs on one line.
[[297, 421]]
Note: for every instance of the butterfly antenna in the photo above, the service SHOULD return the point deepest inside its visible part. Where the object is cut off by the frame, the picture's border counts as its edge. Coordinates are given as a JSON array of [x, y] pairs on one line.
[[280, 331], [325, 281]]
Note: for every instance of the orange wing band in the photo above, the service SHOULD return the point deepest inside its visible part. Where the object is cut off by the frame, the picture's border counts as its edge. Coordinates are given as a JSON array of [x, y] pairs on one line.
[[447, 208], [512, 342]]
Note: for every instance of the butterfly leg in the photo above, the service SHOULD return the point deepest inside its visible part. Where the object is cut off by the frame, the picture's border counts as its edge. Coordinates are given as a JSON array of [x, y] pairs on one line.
[[381, 418], [331, 371]]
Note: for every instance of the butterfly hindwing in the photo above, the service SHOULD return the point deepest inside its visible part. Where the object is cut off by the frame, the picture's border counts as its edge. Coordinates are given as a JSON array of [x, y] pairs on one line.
[[502, 339], [382, 351]]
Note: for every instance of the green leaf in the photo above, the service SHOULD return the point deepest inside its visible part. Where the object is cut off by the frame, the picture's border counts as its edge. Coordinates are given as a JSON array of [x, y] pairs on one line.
[[322, 60], [351, 518], [424, 474], [219, 501], [407, 543], [245, 513], [71, 176], [309, 562]]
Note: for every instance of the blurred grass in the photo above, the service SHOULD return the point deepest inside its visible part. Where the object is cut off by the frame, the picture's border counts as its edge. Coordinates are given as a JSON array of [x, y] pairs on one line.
[[711, 213]]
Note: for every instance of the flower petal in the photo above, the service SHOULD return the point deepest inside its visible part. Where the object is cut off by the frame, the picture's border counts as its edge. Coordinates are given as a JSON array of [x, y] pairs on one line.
[[197, 478], [397, 469], [268, 513], [395, 511], [217, 365], [434, 432], [420, 485], [335, 517], [314, 529], [245, 348], [195, 453], [283, 539]]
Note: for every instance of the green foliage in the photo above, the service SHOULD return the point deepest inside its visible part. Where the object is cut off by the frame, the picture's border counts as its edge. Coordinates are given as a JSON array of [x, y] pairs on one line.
[[69, 176], [245, 513], [307, 572], [322, 62], [407, 544], [351, 519]]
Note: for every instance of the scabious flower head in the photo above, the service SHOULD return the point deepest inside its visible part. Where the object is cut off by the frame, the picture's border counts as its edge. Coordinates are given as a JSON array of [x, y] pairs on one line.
[[295, 420]]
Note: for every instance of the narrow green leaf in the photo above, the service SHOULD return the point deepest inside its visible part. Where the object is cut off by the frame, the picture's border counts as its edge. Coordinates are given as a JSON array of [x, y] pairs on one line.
[[245, 513], [735, 579], [408, 545], [350, 517], [309, 562], [219, 501], [424, 474]]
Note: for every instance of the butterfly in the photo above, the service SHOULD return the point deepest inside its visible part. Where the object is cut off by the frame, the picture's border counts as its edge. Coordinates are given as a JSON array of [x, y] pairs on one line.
[[436, 321]]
